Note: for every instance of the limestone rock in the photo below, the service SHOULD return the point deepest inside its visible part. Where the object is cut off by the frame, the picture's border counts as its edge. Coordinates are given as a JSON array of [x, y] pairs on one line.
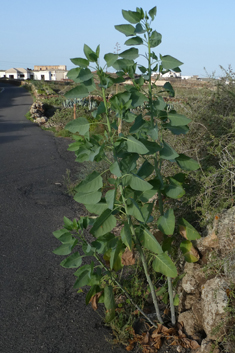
[[190, 324], [214, 300], [207, 346]]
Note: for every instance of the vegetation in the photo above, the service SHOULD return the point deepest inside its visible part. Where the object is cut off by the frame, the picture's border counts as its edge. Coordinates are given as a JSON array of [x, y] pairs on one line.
[[133, 144]]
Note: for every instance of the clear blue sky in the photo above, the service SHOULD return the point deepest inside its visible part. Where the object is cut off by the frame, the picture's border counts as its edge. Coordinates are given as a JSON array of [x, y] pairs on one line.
[[50, 32]]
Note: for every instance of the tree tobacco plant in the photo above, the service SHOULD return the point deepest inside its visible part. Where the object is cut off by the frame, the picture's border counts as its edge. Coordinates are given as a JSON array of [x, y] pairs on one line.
[[135, 161]]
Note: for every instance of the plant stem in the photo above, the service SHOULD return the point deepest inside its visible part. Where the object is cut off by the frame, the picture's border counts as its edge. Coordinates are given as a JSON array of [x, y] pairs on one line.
[[106, 110], [170, 291]]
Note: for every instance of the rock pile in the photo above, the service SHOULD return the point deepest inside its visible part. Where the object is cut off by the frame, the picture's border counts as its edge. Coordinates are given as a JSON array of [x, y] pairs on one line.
[[37, 113], [205, 289]]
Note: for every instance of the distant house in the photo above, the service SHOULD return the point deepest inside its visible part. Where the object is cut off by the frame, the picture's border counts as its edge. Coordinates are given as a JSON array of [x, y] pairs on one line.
[[168, 74], [19, 73], [47, 73]]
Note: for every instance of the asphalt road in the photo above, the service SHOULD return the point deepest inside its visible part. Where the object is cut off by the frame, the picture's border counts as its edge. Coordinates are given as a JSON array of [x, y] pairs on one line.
[[39, 310]]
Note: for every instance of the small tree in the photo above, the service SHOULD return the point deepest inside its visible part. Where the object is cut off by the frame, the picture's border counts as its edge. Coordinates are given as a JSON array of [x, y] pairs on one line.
[[135, 161]]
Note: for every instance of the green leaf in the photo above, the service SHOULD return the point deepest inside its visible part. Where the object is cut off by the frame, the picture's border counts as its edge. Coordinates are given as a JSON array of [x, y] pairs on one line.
[[187, 230], [90, 54], [83, 274], [145, 170], [153, 147], [135, 211], [136, 183], [88, 198], [128, 30], [142, 69], [168, 62], [139, 29], [116, 256], [73, 73], [153, 133], [138, 124], [109, 303], [80, 125], [110, 198], [153, 12], [73, 261], [168, 88], [178, 119], [58, 233], [103, 224], [166, 223], [163, 264], [65, 249], [135, 146], [131, 16], [138, 99], [186, 163], [167, 152], [110, 58], [130, 54], [126, 235], [128, 162], [174, 190], [123, 64], [134, 41], [176, 300], [80, 62], [148, 240], [85, 75], [97, 51], [98, 208], [155, 39], [176, 130], [159, 103], [114, 169], [93, 182], [188, 251], [78, 92]]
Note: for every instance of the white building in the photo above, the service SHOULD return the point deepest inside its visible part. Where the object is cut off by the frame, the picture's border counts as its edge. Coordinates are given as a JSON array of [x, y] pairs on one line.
[[50, 73]]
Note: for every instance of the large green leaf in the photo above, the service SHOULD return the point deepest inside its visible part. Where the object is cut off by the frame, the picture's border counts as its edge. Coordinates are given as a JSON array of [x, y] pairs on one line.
[[73, 261], [134, 41], [136, 183], [148, 240], [135, 211], [109, 303], [166, 223], [178, 119], [80, 125], [128, 30], [168, 88], [126, 235], [174, 189], [169, 63], [110, 198], [85, 75], [116, 256], [65, 249], [130, 54], [114, 169], [167, 152], [110, 58], [163, 264], [145, 170], [128, 162], [77, 92], [123, 64], [187, 230], [153, 12], [177, 130], [83, 274], [58, 233], [104, 223], [93, 182], [98, 208], [135, 146], [88, 198], [138, 99], [153, 147], [80, 62], [155, 39], [90, 54], [188, 251], [138, 124], [131, 16], [186, 163], [73, 73]]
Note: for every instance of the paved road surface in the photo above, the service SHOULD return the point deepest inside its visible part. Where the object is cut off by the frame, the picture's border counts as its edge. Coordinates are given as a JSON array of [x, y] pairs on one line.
[[39, 310]]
